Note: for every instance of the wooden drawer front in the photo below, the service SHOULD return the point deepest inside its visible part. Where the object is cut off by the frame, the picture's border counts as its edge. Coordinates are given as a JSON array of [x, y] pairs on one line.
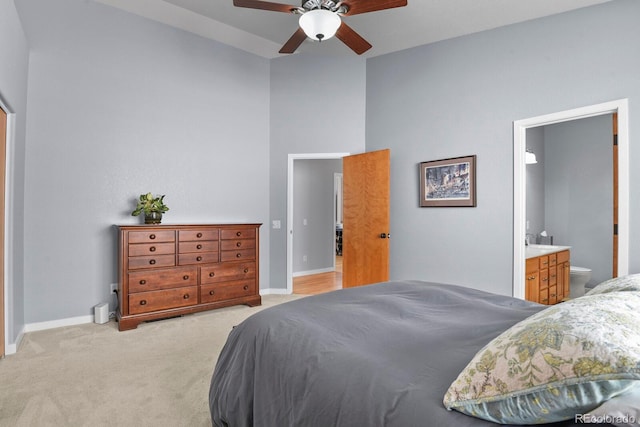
[[198, 258], [553, 295], [544, 296], [553, 275], [195, 235], [223, 273], [563, 256], [232, 245], [206, 246], [532, 265], [544, 261], [152, 236], [552, 259], [227, 290], [141, 249], [144, 302], [152, 261], [238, 255], [238, 233], [152, 280], [544, 279]]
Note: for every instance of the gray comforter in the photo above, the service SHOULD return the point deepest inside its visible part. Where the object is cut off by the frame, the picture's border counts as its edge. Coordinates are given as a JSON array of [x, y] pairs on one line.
[[379, 355]]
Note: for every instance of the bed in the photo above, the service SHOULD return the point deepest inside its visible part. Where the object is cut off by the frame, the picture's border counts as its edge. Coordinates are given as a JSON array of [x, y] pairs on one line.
[[378, 355]]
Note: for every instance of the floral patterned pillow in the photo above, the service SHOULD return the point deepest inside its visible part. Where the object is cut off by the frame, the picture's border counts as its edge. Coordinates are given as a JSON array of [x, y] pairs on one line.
[[617, 284], [562, 361]]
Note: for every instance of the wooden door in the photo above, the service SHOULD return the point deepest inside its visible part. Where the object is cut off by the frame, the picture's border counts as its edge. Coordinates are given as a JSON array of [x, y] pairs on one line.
[[3, 162], [365, 235]]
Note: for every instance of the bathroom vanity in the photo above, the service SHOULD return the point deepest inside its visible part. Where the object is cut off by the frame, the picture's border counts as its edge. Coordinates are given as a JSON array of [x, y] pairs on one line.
[[547, 277]]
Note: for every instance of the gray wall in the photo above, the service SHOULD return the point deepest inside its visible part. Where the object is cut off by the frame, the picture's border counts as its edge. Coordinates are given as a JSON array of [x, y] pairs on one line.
[[313, 191], [579, 188], [460, 97], [14, 63], [317, 106], [113, 114]]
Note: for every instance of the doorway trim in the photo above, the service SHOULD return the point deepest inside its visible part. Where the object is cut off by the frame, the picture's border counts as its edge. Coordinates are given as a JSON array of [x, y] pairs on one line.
[[620, 106], [290, 176], [5, 280]]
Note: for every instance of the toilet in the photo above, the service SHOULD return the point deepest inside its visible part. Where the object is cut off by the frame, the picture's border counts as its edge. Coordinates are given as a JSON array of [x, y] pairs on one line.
[[579, 277]]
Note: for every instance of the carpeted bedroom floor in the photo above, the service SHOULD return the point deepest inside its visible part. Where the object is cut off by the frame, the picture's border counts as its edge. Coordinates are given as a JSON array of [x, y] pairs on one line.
[[92, 375]]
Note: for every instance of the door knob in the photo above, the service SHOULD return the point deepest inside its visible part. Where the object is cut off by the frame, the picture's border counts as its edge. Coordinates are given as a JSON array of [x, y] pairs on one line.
[[385, 235]]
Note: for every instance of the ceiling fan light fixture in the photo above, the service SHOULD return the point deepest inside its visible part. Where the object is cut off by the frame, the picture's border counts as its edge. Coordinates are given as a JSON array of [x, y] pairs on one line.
[[320, 24]]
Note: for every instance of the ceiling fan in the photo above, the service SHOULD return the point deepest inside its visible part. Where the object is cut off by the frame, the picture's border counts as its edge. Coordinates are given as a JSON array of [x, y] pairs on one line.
[[320, 19]]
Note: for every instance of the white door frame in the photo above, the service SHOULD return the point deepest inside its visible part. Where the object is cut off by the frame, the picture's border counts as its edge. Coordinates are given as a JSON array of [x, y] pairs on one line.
[[290, 176], [9, 348], [520, 127]]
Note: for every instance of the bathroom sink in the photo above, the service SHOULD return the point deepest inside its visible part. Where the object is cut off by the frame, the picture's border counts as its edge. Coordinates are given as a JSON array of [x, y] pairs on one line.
[[532, 251]]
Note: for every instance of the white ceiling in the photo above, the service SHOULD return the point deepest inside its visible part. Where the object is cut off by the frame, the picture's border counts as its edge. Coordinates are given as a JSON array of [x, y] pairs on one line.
[[420, 22]]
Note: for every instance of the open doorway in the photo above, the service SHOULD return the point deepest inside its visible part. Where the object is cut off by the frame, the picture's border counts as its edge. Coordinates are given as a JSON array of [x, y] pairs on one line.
[[620, 108], [311, 222]]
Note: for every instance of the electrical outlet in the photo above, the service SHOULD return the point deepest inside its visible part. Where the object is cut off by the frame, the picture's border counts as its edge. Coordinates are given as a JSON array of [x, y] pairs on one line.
[[114, 288], [304, 258]]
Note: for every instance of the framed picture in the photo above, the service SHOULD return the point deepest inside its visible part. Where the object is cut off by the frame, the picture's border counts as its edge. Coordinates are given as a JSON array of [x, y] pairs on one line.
[[448, 182]]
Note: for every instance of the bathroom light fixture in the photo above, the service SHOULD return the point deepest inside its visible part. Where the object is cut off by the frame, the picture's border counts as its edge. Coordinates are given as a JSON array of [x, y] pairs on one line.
[[530, 157], [320, 24]]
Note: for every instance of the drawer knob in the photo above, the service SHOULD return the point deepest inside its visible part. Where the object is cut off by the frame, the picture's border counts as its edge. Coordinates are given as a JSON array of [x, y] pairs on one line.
[[239, 233], [199, 258], [238, 255], [152, 261], [245, 287], [239, 244], [199, 235], [544, 301], [152, 236], [211, 292], [143, 282], [185, 296], [143, 302], [152, 249], [531, 277], [212, 274], [545, 279], [199, 247], [246, 270], [185, 277]]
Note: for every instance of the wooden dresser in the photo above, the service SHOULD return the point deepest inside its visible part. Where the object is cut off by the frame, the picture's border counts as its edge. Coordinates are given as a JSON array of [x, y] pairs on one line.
[[547, 278], [171, 270]]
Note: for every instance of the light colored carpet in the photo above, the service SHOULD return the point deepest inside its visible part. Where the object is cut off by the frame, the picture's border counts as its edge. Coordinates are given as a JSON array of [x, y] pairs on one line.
[[93, 375]]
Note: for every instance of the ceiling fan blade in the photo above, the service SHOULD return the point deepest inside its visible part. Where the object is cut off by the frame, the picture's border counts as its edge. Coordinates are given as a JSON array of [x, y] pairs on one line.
[[364, 6], [294, 42], [265, 5], [352, 39]]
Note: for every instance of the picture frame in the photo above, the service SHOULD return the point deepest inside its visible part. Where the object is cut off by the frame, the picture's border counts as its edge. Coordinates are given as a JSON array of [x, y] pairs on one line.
[[448, 182]]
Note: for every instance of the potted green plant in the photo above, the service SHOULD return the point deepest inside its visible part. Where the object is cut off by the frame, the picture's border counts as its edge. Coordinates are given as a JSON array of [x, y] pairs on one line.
[[152, 206]]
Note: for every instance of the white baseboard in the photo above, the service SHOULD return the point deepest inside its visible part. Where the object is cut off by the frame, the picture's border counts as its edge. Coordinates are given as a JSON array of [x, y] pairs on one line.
[[52, 324], [310, 272], [275, 291]]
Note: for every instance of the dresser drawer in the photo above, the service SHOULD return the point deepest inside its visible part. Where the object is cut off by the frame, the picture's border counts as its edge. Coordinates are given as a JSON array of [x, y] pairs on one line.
[[198, 258], [152, 280], [232, 245], [195, 235], [141, 249], [206, 246], [227, 290], [145, 302], [544, 279], [152, 236], [238, 233], [238, 255], [223, 273], [152, 261]]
